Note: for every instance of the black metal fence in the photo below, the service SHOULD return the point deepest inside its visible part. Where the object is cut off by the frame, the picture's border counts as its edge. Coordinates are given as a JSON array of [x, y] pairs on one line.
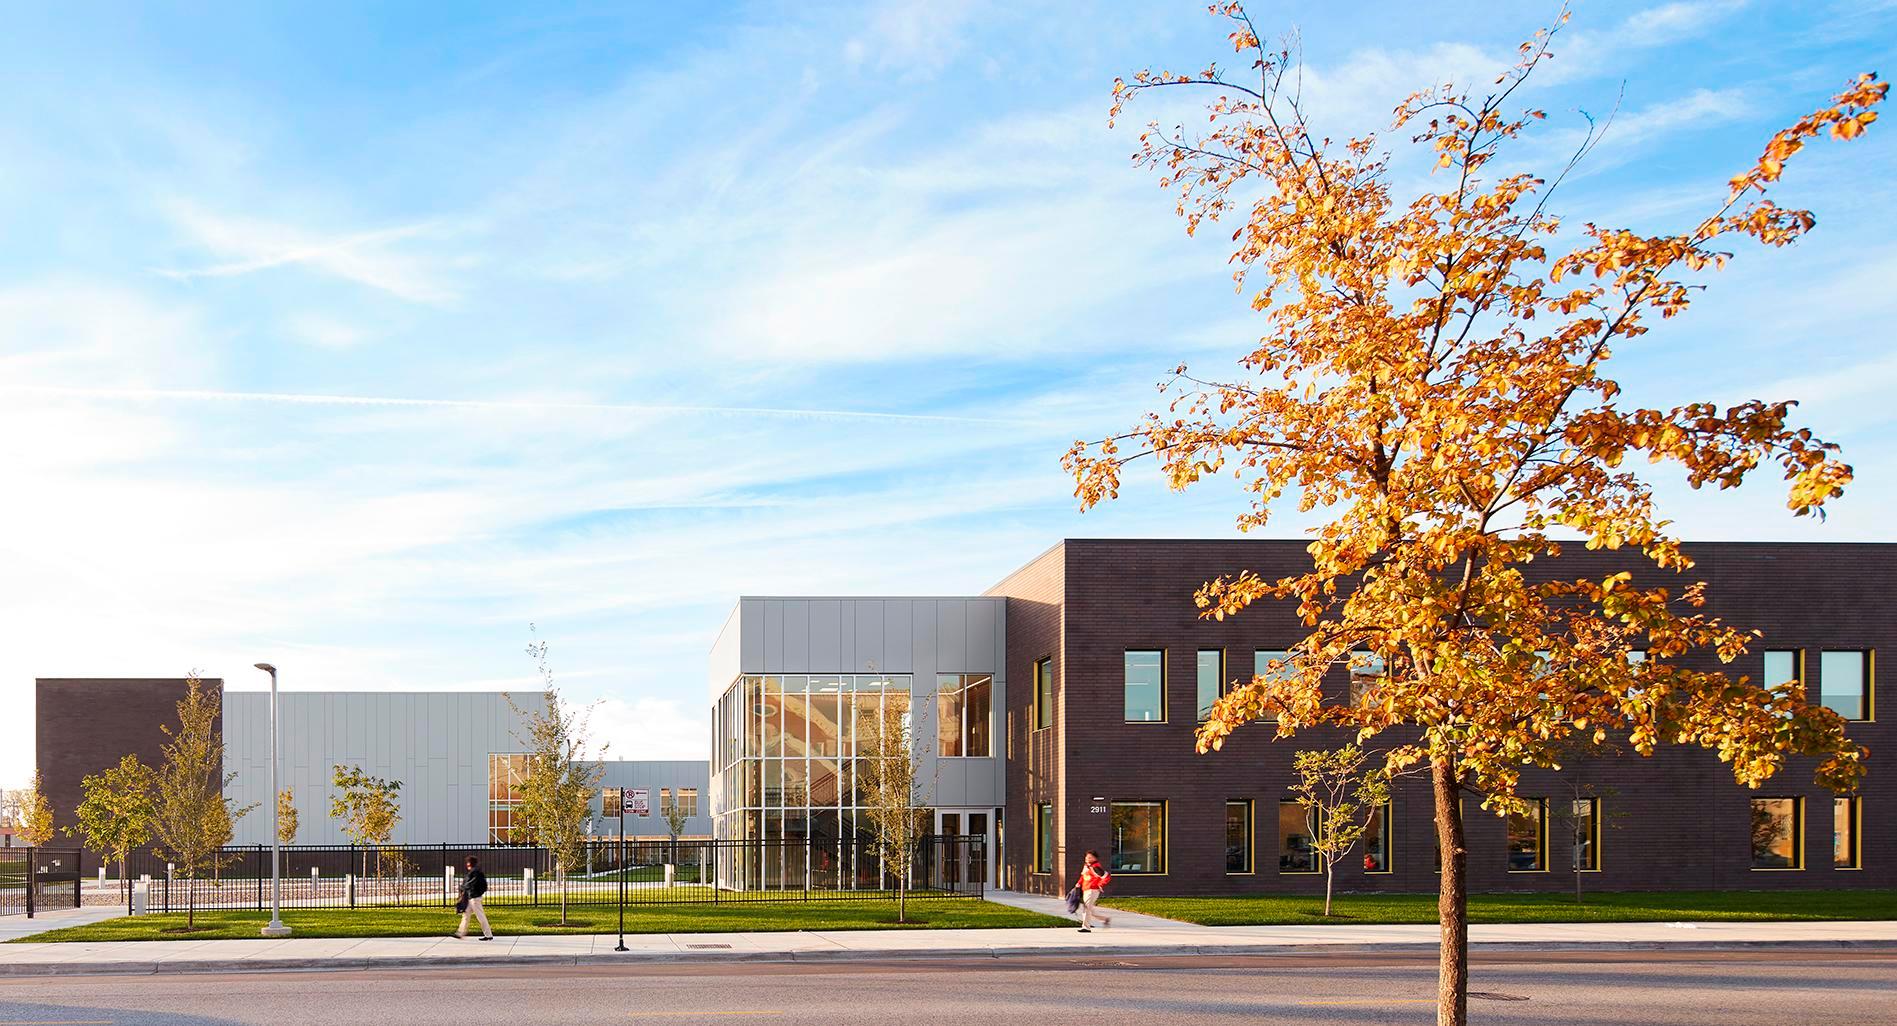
[[653, 872], [35, 879]]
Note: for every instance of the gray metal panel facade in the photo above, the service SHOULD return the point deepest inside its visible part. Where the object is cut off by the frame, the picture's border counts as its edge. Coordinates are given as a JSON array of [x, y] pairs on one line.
[[436, 743], [653, 775]]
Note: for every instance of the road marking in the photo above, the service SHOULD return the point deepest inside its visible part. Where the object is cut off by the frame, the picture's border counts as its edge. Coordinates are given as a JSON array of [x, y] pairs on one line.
[[1373, 1001], [764, 1011], [56, 1022]]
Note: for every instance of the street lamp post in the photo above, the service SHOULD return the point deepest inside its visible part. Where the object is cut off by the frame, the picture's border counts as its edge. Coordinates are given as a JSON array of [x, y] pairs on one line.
[[613, 803], [275, 927]]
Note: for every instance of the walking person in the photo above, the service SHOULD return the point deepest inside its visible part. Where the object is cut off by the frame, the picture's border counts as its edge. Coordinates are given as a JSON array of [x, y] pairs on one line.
[[1093, 879], [470, 904]]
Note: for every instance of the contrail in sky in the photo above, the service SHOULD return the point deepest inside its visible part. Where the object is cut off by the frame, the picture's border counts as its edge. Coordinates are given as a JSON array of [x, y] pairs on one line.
[[519, 405]]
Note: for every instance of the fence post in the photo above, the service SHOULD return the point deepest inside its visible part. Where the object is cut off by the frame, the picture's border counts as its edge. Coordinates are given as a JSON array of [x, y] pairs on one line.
[[32, 869], [256, 871]]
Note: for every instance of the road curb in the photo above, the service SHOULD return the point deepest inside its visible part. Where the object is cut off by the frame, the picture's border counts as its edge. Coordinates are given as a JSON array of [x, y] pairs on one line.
[[838, 956]]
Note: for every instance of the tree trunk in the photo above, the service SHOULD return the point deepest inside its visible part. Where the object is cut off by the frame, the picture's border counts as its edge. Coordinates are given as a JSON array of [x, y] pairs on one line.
[[559, 874], [902, 897], [1452, 902], [1574, 860], [1330, 877]]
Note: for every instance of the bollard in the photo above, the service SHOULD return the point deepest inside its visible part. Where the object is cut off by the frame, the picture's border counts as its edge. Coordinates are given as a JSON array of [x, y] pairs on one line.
[[349, 888], [313, 883], [141, 897], [447, 885], [533, 886], [101, 876], [669, 873]]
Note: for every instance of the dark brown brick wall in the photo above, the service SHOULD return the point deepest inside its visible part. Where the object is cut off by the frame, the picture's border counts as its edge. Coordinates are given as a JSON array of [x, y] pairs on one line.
[[84, 725], [1677, 820]]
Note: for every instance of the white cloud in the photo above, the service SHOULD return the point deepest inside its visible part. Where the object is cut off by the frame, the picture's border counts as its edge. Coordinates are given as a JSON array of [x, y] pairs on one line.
[[1667, 23], [917, 38], [373, 258], [324, 331]]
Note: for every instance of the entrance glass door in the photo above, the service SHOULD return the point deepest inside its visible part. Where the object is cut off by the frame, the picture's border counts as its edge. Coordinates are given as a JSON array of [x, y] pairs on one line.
[[956, 865]]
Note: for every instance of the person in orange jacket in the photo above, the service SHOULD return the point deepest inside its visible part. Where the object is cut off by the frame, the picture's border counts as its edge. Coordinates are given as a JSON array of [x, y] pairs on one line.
[[1093, 879]]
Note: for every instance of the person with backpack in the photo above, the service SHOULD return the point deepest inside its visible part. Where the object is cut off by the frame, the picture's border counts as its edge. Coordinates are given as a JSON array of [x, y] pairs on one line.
[[1093, 879], [470, 904]]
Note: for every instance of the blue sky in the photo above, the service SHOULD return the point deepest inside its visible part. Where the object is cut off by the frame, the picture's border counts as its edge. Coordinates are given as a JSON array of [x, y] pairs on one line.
[[356, 340]]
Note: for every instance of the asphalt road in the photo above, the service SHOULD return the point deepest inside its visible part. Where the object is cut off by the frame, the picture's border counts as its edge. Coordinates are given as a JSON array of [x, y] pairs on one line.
[[1571, 989]]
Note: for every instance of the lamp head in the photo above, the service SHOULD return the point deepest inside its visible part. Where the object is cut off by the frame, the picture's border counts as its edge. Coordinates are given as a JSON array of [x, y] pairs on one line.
[[267, 668]]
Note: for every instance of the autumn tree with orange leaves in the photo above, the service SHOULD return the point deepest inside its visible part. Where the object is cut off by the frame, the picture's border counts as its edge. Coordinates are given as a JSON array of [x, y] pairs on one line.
[[1433, 377]]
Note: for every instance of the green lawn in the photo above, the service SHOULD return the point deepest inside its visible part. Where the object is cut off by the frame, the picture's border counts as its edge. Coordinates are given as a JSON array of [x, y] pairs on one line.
[[730, 917], [1605, 907]]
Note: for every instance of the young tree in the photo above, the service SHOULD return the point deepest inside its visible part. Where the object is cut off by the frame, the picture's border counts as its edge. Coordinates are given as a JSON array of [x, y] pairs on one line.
[[562, 776], [115, 810], [368, 808], [1340, 792], [675, 818], [191, 819], [890, 792], [286, 816], [34, 813], [1434, 378]]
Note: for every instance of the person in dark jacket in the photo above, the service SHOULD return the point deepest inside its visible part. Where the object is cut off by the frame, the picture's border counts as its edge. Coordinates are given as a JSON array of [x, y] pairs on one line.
[[470, 904]]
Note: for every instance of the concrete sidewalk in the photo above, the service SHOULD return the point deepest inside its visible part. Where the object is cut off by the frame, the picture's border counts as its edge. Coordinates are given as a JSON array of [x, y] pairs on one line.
[[183, 956], [14, 927]]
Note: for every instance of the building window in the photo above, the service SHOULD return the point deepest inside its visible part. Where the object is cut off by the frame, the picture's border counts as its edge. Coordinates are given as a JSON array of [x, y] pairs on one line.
[[1043, 693], [1273, 664], [1586, 817], [505, 774], [1528, 837], [1376, 840], [1366, 672], [1844, 683], [1145, 686], [1295, 851], [1784, 664], [1775, 834], [964, 710], [1139, 837], [1211, 680], [687, 800], [1845, 818], [1238, 836], [1044, 838]]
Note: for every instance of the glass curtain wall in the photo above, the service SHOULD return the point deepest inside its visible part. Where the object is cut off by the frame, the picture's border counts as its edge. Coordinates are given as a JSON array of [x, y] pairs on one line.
[[786, 775]]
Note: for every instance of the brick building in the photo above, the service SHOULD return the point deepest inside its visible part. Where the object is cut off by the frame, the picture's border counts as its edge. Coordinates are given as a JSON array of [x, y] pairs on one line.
[[1058, 716], [1106, 631]]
